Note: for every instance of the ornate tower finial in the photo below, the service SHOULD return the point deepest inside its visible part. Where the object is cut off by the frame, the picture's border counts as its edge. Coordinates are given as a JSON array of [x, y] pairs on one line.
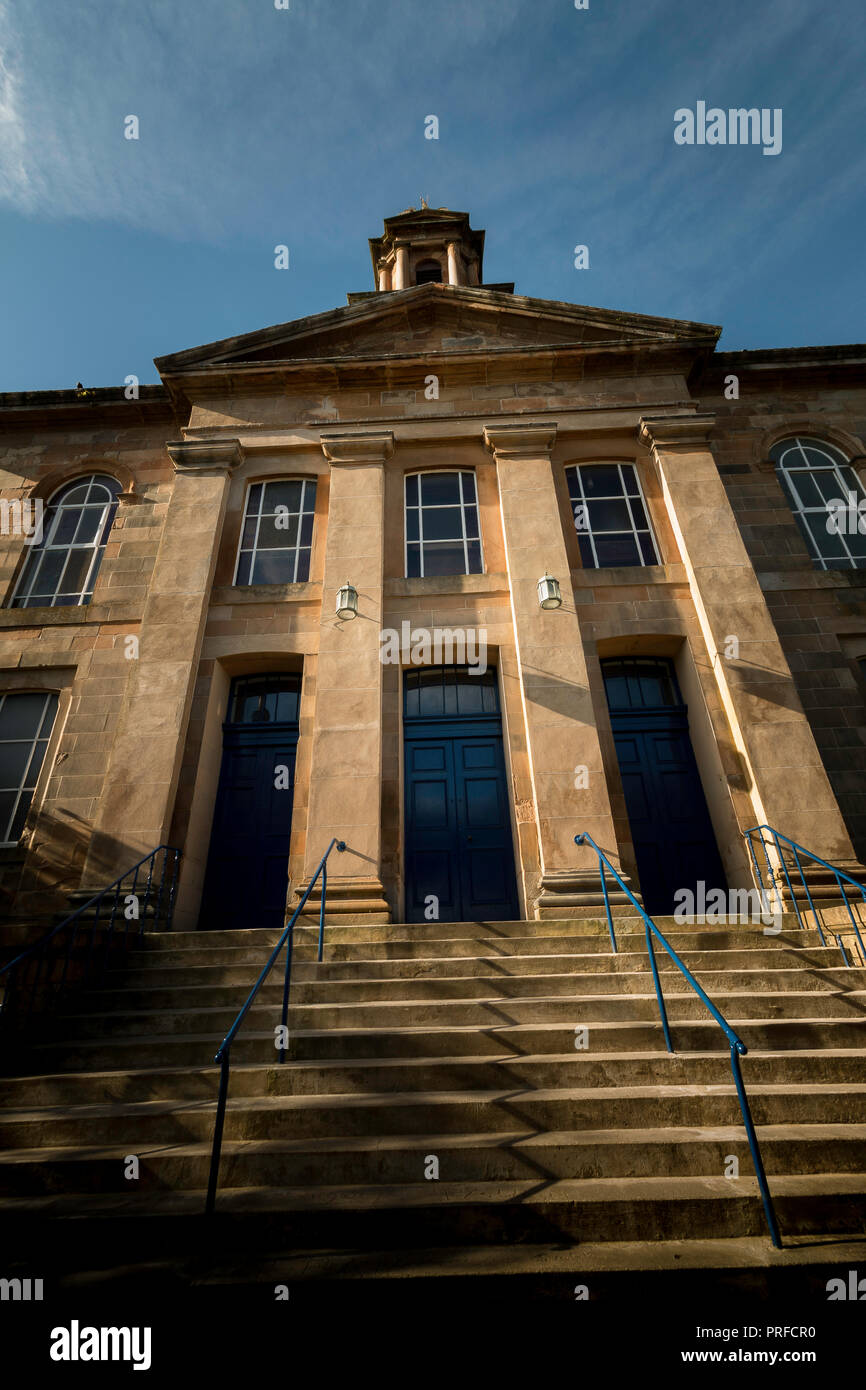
[[424, 203]]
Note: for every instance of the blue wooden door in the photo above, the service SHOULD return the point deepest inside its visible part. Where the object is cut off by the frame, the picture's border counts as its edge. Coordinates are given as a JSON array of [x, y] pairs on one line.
[[247, 872], [459, 853], [673, 837]]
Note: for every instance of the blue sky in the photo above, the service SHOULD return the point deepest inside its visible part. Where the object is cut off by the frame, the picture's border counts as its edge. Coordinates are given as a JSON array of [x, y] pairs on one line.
[[305, 127]]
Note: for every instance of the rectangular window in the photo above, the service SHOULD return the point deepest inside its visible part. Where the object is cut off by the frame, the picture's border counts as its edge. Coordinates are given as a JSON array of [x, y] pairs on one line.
[[610, 516], [26, 721], [442, 530], [277, 536]]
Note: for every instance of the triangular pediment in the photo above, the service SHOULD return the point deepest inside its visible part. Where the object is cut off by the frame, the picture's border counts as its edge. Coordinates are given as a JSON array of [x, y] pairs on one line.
[[438, 319]]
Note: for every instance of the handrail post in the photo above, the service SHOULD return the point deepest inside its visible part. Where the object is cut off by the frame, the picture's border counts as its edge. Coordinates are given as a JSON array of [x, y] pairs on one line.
[[322, 911], [218, 1132], [758, 1162], [660, 997], [286, 986]]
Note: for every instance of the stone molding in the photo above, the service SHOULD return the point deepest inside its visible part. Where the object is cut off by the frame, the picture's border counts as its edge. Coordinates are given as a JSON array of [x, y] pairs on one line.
[[358, 447], [520, 440], [204, 455], [687, 432]]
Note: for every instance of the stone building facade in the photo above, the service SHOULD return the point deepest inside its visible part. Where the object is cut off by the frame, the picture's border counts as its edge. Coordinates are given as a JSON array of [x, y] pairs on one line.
[[439, 446]]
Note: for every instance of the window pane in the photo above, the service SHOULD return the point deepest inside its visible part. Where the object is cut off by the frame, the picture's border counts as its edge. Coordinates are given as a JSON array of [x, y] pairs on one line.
[[609, 516], [88, 525], [248, 535], [7, 805], [474, 549], [283, 494], [413, 561], [805, 489], [274, 567], [828, 484], [444, 559], [601, 480], [14, 758], [630, 478], [21, 715], [471, 518], [412, 490], [278, 532], [617, 550], [443, 523], [647, 548], [244, 568], [67, 524], [440, 489], [75, 573], [468, 483], [303, 572], [412, 532], [586, 555]]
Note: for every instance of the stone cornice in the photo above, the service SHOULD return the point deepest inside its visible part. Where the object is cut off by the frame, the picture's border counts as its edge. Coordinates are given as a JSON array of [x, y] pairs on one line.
[[529, 440], [361, 446], [204, 455], [676, 431]]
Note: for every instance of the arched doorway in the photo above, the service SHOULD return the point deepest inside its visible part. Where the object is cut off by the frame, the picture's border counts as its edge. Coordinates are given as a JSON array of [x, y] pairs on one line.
[[459, 850], [674, 842], [247, 870]]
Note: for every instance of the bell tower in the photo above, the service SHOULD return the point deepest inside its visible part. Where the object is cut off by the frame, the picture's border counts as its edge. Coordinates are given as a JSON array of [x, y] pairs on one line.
[[427, 246]]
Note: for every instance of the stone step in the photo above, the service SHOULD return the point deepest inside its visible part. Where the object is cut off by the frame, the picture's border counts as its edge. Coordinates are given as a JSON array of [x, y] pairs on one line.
[[470, 986], [439, 1214], [396, 1073], [252, 1045], [496, 1008], [424, 1112], [208, 948], [574, 1155], [413, 967]]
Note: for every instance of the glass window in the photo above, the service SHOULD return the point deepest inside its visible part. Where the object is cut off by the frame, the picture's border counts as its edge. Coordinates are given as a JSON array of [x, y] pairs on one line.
[[62, 569], [26, 720], [269, 699], [440, 692], [635, 683], [428, 273], [827, 499], [442, 532], [610, 516], [277, 534]]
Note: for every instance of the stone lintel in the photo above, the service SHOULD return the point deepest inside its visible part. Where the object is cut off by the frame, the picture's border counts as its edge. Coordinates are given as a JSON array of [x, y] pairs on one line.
[[204, 455], [687, 432], [520, 440], [358, 447]]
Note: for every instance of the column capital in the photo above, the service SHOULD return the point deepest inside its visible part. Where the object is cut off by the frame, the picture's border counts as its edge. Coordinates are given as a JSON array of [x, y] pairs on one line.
[[676, 431], [204, 455], [360, 446], [520, 440]]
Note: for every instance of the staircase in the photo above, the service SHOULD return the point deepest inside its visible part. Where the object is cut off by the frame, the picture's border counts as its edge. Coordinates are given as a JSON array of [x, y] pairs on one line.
[[452, 1045]]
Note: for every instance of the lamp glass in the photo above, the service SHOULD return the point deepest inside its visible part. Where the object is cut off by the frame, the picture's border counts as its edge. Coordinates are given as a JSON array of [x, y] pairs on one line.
[[347, 601], [549, 595]]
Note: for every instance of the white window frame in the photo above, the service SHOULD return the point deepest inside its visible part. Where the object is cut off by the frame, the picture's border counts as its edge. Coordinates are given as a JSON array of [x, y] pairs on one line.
[[624, 496], [795, 444], [24, 587], [422, 507], [253, 550], [40, 736]]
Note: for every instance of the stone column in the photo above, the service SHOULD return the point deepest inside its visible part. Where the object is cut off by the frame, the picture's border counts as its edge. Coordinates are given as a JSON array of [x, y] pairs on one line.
[[455, 268], [384, 278], [401, 268], [789, 788], [346, 764], [561, 733], [138, 795]]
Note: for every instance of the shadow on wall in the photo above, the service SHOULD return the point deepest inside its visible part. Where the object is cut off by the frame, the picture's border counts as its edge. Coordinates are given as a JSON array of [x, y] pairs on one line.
[[36, 882]]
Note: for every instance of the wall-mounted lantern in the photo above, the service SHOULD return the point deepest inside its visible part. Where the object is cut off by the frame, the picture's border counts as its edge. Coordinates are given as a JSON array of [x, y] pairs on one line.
[[347, 601], [549, 595]]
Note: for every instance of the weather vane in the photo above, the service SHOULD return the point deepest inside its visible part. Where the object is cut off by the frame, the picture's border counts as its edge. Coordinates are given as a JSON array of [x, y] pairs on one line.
[[424, 202]]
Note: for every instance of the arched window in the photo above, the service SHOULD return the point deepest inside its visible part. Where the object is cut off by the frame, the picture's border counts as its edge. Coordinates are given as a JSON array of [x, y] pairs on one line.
[[442, 535], [827, 499], [428, 273], [610, 516], [62, 570], [277, 537], [26, 720]]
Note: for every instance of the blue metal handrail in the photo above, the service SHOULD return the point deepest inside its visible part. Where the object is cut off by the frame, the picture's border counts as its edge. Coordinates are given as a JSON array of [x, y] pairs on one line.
[[738, 1047], [154, 906], [797, 850], [223, 1056]]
